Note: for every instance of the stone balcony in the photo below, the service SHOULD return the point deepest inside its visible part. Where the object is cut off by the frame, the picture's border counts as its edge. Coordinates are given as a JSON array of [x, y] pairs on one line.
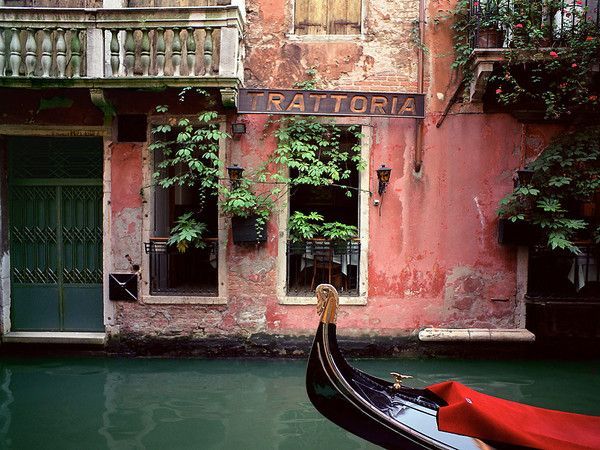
[[121, 48]]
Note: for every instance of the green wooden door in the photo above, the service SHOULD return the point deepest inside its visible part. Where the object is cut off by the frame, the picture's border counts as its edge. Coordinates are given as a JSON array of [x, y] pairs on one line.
[[55, 234]]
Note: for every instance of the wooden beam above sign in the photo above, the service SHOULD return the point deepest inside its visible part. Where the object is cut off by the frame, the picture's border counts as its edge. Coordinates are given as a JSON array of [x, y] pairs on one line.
[[331, 103]]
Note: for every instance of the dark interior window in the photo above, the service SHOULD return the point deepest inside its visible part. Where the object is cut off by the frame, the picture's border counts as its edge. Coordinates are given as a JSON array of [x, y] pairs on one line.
[[320, 260], [193, 272]]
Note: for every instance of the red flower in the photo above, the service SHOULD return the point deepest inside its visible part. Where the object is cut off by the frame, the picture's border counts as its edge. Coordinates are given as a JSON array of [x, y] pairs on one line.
[[498, 91], [562, 85], [593, 98], [519, 25], [475, 4], [579, 3], [589, 38], [574, 65], [554, 54]]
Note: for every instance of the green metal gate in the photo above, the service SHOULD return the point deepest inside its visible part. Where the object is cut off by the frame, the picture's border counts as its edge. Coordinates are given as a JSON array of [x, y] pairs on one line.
[[55, 234]]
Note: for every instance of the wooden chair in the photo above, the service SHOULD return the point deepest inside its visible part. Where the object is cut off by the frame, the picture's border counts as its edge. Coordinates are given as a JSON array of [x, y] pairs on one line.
[[323, 263]]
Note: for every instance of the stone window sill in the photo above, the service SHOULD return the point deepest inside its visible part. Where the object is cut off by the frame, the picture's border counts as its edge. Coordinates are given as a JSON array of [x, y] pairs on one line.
[[182, 300], [325, 37], [349, 301]]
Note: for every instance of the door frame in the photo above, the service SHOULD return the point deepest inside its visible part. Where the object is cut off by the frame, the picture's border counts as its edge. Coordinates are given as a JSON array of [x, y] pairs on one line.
[[7, 131]]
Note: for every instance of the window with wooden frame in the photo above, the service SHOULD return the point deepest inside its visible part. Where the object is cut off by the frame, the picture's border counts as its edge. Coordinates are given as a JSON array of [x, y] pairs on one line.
[[322, 17]]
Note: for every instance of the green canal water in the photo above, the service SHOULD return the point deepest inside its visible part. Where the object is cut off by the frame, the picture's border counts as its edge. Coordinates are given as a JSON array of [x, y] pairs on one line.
[[99, 403]]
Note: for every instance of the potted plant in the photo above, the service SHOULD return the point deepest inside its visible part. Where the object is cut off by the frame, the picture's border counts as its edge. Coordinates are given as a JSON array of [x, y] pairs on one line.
[[566, 174], [303, 227], [187, 232], [248, 210], [340, 235], [489, 21]]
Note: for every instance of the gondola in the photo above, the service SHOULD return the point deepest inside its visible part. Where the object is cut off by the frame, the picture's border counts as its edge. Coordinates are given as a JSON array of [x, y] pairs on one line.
[[447, 415]]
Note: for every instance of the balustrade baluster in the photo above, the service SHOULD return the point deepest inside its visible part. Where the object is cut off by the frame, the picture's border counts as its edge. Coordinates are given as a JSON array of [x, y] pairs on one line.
[[208, 51], [190, 48], [61, 52], [30, 52], [75, 53], [115, 56], [176, 48], [2, 54], [46, 53], [160, 52], [129, 52], [145, 53], [15, 52]]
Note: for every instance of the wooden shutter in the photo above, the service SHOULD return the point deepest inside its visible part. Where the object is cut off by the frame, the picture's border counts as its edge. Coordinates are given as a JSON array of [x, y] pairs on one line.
[[311, 17], [344, 16], [327, 17]]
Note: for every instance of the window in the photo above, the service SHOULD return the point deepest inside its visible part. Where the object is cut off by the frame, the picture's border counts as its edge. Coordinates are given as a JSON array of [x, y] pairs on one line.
[[190, 270], [565, 276], [314, 17], [325, 258]]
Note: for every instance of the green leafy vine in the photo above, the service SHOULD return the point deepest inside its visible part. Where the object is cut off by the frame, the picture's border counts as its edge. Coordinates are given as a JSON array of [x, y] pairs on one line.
[[566, 175]]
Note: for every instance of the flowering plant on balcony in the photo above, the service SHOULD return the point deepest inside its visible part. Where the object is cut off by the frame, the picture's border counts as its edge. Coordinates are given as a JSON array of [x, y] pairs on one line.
[[550, 65], [565, 176], [551, 57]]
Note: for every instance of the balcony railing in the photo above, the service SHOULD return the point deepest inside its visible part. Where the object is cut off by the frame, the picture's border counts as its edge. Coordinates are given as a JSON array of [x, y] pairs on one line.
[[316, 261], [558, 21], [564, 277], [194, 272], [120, 47]]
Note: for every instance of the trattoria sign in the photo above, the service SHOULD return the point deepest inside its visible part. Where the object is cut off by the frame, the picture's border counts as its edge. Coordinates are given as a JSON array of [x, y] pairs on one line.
[[330, 103]]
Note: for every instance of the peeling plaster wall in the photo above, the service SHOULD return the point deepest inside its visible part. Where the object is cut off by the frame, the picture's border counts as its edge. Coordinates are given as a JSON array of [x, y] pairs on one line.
[[383, 58], [126, 205]]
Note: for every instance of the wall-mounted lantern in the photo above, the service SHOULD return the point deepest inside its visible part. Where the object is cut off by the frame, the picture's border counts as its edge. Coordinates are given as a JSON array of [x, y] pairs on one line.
[[235, 175], [524, 177], [237, 129], [383, 175]]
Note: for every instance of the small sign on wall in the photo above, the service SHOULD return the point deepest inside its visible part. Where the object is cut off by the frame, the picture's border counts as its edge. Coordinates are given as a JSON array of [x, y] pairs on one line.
[[331, 103], [123, 287]]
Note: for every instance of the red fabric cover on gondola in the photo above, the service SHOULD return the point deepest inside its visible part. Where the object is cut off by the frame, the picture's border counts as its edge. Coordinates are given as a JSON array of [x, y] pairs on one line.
[[490, 418]]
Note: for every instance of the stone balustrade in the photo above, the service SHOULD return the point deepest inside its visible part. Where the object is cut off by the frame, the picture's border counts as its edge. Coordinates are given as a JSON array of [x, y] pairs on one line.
[[120, 45]]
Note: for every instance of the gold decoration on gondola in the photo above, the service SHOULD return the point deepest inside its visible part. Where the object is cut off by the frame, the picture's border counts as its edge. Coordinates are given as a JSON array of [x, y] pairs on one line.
[[327, 303], [398, 379]]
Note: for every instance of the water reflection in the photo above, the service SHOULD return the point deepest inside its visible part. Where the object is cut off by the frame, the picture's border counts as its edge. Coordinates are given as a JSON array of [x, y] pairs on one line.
[[159, 404]]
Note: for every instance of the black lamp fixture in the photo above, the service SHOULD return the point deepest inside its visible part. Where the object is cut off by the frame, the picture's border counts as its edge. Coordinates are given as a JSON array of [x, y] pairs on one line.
[[237, 129], [524, 177], [383, 175], [235, 175]]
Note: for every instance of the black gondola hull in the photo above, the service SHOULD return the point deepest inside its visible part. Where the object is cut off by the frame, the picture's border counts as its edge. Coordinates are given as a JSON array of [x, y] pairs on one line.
[[371, 408], [331, 403]]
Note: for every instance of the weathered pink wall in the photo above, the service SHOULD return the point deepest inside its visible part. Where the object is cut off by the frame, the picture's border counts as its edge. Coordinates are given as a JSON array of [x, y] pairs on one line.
[[433, 256], [433, 252], [126, 204]]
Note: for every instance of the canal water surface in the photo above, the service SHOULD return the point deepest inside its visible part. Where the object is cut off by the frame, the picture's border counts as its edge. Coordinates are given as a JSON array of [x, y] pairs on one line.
[[100, 403]]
